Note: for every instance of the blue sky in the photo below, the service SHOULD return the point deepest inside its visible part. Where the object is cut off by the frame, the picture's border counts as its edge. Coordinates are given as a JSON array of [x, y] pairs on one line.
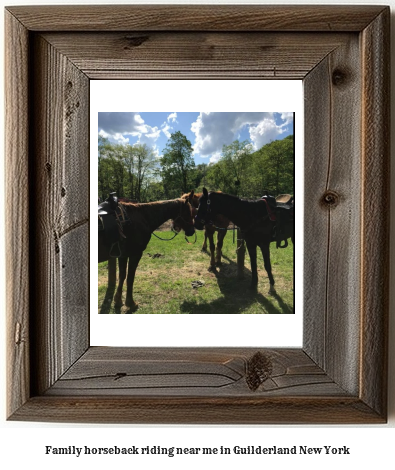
[[207, 132]]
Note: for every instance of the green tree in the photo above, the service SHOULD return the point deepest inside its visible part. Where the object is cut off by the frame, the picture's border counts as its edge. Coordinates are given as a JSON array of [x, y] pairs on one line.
[[140, 162], [199, 176], [125, 169], [110, 168], [218, 177], [273, 167], [177, 165], [103, 150], [153, 191], [235, 162]]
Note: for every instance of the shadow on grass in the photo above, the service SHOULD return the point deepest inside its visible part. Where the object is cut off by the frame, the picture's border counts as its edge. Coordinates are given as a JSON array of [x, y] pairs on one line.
[[106, 305], [285, 308], [236, 296]]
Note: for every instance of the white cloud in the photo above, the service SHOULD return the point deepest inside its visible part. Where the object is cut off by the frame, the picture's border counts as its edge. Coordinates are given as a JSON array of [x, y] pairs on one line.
[[172, 117], [120, 138], [215, 157], [213, 130], [166, 129], [264, 132], [117, 125], [103, 134], [287, 118]]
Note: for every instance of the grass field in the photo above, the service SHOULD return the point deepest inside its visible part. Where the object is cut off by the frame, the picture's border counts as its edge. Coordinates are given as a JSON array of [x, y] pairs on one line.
[[163, 283]]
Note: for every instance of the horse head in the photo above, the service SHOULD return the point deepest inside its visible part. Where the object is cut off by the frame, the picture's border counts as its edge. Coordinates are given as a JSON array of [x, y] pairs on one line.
[[203, 215], [193, 199], [184, 221]]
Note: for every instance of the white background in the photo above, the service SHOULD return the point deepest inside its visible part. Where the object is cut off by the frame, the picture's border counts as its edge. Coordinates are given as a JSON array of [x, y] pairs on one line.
[[193, 330], [22, 445]]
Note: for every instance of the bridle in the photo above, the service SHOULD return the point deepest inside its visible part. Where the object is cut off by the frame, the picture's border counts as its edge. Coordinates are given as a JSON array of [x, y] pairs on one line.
[[180, 216], [208, 211]]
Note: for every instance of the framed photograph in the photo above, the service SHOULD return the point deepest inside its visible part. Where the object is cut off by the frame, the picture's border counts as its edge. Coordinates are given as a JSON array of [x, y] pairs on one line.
[[235, 138], [339, 374]]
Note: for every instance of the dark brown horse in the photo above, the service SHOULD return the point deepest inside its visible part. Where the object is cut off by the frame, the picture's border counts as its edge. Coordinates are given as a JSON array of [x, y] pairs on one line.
[[143, 219], [256, 221], [219, 224]]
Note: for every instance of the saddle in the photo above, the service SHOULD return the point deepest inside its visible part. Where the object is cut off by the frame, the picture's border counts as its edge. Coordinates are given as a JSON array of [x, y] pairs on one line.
[[271, 206], [280, 210], [112, 217], [285, 219], [109, 205]]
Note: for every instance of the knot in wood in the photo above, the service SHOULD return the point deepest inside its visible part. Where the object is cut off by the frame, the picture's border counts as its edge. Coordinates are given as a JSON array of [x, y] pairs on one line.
[[135, 41], [330, 199], [339, 77], [259, 369]]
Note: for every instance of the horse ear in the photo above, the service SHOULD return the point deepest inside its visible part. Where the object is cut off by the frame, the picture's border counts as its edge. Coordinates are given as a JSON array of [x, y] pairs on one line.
[[205, 192], [191, 194], [188, 199]]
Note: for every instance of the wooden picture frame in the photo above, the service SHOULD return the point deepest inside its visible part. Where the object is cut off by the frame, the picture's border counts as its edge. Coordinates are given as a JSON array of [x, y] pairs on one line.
[[340, 374]]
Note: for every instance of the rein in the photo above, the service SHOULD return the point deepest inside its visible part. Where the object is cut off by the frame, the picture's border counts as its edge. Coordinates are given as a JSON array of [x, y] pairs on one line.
[[189, 243], [176, 233], [165, 239], [174, 236]]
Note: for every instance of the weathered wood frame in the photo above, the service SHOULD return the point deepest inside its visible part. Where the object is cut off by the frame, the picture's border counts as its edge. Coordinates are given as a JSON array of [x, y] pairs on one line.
[[340, 374]]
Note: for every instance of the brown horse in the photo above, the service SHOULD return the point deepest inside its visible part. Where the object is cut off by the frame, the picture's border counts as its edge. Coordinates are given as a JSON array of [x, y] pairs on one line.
[[143, 219], [219, 224]]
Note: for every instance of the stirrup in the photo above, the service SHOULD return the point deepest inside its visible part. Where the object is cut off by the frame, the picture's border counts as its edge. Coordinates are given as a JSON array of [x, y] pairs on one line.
[[112, 248]]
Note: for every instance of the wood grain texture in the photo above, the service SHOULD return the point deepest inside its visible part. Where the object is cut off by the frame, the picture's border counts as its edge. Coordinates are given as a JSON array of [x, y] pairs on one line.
[[196, 17], [339, 376], [192, 372], [198, 410], [61, 205], [376, 199], [17, 213], [74, 292], [317, 150], [334, 172], [190, 55], [132, 385]]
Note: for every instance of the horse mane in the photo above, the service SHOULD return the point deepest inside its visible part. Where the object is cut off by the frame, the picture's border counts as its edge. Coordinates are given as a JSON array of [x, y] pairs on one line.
[[147, 204], [247, 207], [232, 197], [237, 198], [187, 195], [195, 200], [247, 204], [196, 196], [149, 208]]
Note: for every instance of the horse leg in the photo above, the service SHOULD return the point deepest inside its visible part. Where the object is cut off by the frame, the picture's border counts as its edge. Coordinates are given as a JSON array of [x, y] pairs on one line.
[[265, 248], [133, 263], [210, 236], [204, 246], [251, 247], [220, 242], [122, 264]]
